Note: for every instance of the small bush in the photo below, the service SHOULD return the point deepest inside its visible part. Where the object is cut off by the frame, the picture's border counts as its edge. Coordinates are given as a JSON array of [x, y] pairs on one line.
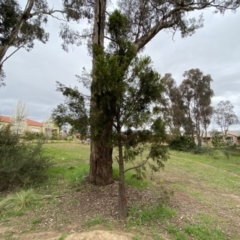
[[20, 163], [182, 143]]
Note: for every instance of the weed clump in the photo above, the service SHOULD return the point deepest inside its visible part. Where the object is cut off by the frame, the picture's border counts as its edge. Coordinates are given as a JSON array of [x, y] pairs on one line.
[[19, 201]]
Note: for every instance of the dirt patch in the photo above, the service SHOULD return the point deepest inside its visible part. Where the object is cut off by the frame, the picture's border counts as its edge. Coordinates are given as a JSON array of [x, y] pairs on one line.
[[100, 235], [41, 236], [93, 235], [73, 209], [233, 196], [77, 210]]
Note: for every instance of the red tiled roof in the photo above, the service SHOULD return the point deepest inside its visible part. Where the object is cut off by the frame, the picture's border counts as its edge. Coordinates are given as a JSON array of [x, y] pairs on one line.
[[4, 119], [34, 123], [29, 121]]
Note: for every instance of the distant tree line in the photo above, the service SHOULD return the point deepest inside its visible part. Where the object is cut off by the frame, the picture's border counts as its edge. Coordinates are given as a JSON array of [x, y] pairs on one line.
[[186, 109]]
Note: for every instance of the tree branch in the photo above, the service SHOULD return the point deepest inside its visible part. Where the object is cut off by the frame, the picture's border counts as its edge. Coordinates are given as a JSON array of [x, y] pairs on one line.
[[163, 23], [138, 166], [12, 54]]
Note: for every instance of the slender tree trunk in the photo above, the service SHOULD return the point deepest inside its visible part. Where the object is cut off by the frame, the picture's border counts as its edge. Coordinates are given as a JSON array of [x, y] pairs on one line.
[[198, 132], [101, 152], [122, 199]]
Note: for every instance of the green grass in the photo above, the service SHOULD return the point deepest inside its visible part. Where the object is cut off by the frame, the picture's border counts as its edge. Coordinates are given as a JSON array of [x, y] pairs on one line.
[[62, 237], [67, 152], [176, 233], [36, 220], [217, 160], [70, 163], [197, 232], [213, 172], [130, 179], [19, 201], [197, 177], [202, 232], [141, 215], [95, 221], [136, 238], [70, 174]]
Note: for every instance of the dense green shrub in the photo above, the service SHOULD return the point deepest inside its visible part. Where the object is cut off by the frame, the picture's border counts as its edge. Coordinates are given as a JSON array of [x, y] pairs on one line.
[[182, 143], [30, 136], [217, 140], [21, 163]]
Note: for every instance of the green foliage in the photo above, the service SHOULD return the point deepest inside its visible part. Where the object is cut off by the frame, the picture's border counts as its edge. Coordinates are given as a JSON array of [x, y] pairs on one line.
[[29, 136], [36, 220], [131, 179], [19, 201], [73, 175], [20, 163], [202, 232], [11, 13], [204, 150], [141, 215], [182, 143], [109, 83], [178, 235], [196, 93], [94, 221], [118, 26], [217, 139], [125, 90], [72, 111], [9, 10], [224, 115]]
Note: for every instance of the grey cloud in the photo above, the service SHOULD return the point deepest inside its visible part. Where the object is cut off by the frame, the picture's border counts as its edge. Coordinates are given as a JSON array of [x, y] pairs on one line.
[[214, 49]]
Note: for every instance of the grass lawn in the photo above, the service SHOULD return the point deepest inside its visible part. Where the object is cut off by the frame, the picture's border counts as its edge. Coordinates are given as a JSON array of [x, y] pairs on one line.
[[205, 204]]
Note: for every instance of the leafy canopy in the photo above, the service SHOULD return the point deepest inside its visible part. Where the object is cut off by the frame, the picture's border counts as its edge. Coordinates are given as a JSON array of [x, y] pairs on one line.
[[72, 111]]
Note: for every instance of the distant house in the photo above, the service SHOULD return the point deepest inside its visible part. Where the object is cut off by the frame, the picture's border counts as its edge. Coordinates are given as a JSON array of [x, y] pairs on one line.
[[207, 137], [233, 137], [28, 125]]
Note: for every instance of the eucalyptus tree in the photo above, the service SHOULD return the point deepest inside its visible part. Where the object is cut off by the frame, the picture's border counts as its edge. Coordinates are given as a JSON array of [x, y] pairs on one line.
[[21, 26], [147, 18], [224, 116], [196, 93], [126, 90], [173, 107]]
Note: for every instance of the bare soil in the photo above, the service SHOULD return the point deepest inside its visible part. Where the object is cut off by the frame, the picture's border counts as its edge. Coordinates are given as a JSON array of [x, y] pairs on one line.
[[70, 211]]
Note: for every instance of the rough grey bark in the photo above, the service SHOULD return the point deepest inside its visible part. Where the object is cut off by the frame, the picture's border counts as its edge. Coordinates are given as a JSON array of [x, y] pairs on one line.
[[101, 153]]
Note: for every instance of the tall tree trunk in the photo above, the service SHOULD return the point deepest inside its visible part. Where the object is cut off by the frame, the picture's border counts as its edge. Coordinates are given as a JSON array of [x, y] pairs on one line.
[[101, 152]]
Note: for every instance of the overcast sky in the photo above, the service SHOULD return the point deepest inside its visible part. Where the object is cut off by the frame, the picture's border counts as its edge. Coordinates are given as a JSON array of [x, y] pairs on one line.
[[214, 49]]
